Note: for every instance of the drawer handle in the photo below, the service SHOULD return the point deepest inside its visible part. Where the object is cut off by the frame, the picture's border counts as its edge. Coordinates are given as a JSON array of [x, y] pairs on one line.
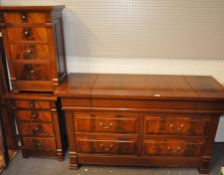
[[101, 124], [29, 69], [36, 130], [106, 148], [37, 146], [179, 128], [32, 104], [24, 17], [34, 114], [174, 151], [28, 53], [26, 33]]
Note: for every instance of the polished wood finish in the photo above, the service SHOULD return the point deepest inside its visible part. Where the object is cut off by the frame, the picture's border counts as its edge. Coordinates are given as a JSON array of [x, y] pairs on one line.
[[33, 42], [40, 129], [141, 120]]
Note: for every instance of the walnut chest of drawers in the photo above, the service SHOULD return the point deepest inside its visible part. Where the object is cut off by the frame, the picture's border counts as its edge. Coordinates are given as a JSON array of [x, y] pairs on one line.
[[33, 41], [40, 129], [141, 120]]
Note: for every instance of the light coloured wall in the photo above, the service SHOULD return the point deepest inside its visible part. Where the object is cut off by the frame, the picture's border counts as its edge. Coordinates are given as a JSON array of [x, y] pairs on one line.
[[143, 36]]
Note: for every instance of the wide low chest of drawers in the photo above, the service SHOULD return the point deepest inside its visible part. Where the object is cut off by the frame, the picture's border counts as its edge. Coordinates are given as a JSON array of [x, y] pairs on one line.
[[34, 46], [141, 120]]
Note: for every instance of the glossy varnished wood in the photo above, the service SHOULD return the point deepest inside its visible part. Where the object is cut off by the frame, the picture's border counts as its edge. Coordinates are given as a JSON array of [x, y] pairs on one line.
[[33, 41], [164, 120]]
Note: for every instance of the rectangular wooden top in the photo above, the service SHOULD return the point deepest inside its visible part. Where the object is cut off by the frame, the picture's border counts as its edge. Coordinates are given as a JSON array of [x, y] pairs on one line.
[[31, 8], [141, 87]]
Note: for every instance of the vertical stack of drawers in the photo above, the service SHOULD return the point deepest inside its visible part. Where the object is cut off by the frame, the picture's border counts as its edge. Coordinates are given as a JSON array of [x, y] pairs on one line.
[[33, 42]]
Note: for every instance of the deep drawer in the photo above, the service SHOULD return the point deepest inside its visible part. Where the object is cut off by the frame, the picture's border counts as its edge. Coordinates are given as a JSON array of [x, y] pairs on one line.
[[39, 144], [97, 145], [33, 72], [36, 129], [24, 17], [176, 125], [30, 52], [33, 116], [27, 34], [32, 104], [172, 148], [105, 123]]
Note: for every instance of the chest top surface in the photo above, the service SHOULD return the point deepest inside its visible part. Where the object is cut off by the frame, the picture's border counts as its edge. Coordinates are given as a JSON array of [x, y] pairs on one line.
[[141, 86]]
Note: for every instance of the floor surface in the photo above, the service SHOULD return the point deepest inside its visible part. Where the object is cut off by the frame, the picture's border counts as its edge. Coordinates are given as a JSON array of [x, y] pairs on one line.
[[42, 166]]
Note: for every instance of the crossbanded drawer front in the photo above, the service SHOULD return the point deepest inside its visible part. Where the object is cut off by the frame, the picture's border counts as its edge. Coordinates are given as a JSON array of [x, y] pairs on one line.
[[176, 125], [39, 144], [24, 17], [30, 52], [106, 146], [172, 148], [33, 116], [36, 129], [105, 124], [32, 104], [33, 72], [27, 34]]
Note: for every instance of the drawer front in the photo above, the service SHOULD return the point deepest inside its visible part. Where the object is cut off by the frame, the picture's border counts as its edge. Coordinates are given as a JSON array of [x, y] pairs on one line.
[[27, 34], [31, 104], [105, 123], [39, 144], [24, 17], [176, 125], [33, 116], [36, 129], [30, 52], [106, 146], [33, 72], [172, 148]]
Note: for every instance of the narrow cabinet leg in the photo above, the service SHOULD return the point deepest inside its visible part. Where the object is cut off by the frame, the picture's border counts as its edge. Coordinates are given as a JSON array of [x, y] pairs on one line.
[[60, 155], [73, 161], [204, 168]]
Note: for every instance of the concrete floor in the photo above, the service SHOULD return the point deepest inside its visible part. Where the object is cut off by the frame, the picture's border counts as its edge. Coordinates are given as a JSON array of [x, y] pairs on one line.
[[41, 166]]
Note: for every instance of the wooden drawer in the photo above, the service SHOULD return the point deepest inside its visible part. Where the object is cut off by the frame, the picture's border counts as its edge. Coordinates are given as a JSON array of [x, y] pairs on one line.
[[23, 17], [176, 125], [105, 123], [30, 52], [39, 144], [33, 116], [172, 148], [33, 72], [99, 145], [31, 104], [27, 34], [36, 129]]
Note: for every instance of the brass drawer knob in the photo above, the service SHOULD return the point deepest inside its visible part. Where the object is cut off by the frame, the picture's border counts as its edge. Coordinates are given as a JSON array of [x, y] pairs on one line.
[[36, 130], [101, 124], [28, 53], [178, 128], [178, 148], [26, 33], [24, 17], [106, 148]]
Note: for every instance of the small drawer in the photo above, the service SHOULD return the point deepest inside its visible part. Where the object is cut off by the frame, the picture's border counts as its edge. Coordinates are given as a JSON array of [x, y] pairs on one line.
[[176, 125], [172, 148], [33, 116], [24, 17], [27, 34], [32, 104], [106, 146], [105, 123], [33, 72], [36, 129], [30, 52], [39, 144]]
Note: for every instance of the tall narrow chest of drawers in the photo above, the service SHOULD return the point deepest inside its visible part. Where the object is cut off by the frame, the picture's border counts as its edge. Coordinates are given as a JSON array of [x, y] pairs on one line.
[[141, 120], [33, 41], [41, 130]]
